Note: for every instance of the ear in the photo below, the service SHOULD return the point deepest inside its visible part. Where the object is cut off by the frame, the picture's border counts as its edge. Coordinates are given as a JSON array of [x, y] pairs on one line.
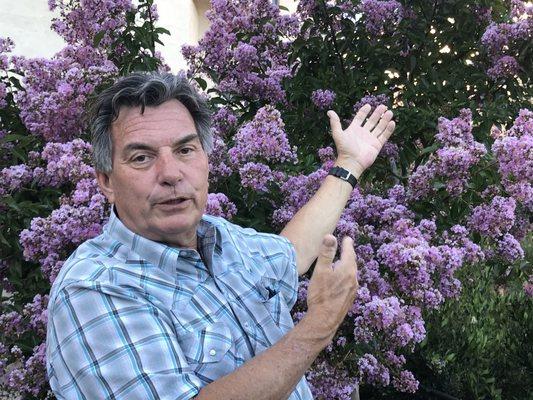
[[106, 186]]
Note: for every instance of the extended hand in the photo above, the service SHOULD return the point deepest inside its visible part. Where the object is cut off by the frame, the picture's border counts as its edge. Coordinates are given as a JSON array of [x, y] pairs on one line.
[[360, 143], [333, 287]]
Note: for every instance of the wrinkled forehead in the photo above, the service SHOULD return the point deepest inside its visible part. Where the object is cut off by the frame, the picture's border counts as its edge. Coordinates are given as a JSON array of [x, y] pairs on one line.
[[171, 117]]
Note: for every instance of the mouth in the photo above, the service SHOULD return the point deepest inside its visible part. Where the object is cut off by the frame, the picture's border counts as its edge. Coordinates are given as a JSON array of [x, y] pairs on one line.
[[174, 201]]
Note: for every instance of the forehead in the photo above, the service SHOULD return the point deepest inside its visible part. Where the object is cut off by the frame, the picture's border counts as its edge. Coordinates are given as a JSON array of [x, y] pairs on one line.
[[170, 120]]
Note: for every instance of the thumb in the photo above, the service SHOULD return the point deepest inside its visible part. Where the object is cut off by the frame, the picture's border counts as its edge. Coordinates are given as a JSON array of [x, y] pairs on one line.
[[327, 251], [334, 123]]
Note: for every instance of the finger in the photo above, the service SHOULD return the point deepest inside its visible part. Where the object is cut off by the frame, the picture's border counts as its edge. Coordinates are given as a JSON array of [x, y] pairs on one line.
[[327, 252], [361, 115], [387, 132], [334, 123], [374, 118], [347, 252], [383, 122]]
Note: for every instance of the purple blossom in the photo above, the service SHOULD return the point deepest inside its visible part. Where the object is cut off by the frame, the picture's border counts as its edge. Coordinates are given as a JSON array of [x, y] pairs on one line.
[[254, 67], [405, 382], [14, 177], [223, 121], [509, 248], [381, 16], [57, 89], [80, 217], [219, 205], [494, 219], [374, 101], [263, 139], [79, 22], [513, 150], [504, 67], [323, 99], [502, 40], [256, 176], [372, 371], [330, 383], [219, 162], [12, 324], [451, 163]]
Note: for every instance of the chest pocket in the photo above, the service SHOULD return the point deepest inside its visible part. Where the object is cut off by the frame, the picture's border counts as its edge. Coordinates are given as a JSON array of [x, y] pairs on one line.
[[272, 299], [207, 345]]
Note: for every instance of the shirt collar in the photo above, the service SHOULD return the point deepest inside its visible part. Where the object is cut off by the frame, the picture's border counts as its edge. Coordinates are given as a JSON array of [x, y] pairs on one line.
[[164, 256]]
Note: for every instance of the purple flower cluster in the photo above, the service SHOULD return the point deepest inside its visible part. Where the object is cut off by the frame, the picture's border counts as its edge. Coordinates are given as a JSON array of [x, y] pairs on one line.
[[323, 99], [51, 239], [219, 205], [451, 164], [381, 16], [330, 383], [253, 67], [513, 150], [494, 222], [21, 375], [263, 139], [80, 21], [501, 40], [374, 101], [503, 67], [256, 176], [58, 164], [57, 89], [495, 219]]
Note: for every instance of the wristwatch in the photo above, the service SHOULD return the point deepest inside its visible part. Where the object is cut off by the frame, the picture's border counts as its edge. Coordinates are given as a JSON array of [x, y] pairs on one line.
[[343, 174]]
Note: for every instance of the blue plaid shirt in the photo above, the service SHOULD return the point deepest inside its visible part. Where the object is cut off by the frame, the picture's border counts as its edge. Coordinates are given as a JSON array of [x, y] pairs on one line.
[[130, 318]]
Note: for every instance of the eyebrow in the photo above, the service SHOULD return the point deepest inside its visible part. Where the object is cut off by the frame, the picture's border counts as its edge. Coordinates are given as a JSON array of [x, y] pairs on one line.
[[143, 146]]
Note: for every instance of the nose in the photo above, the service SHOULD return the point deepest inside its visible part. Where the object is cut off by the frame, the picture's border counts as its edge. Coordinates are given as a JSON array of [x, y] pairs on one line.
[[169, 169]]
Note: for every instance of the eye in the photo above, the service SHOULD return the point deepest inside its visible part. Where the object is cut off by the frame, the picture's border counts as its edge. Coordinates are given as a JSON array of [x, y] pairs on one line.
[[139, 159], [186, 150]]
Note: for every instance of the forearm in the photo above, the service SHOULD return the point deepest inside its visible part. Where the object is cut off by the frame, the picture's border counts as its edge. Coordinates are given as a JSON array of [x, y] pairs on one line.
[[319, 216], [274, 373]]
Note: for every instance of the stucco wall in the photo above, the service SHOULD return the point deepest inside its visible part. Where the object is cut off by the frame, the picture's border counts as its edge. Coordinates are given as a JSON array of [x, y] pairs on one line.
[[27, 22]]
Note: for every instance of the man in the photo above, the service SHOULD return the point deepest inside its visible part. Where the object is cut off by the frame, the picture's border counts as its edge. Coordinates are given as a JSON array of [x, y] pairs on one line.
[[171, 304]]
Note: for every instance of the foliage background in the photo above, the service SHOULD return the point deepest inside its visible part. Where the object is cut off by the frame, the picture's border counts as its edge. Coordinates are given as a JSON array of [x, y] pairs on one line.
[[442, 221]]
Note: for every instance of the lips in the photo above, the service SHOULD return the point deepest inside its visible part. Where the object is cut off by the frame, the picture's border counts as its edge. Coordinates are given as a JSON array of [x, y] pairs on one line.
[[174, 201]]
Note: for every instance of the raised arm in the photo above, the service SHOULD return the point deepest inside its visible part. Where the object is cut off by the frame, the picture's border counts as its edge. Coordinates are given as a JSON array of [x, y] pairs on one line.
[[357, 148]]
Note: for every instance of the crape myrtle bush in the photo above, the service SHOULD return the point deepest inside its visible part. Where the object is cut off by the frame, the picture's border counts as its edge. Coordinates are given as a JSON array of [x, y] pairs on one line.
[[441, 222]]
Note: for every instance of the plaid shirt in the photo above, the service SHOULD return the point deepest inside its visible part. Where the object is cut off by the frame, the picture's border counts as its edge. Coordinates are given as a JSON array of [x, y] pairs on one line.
[[130, 318]]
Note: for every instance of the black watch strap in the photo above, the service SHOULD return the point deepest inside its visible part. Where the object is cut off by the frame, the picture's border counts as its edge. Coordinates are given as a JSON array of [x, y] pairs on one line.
[[343, 174]]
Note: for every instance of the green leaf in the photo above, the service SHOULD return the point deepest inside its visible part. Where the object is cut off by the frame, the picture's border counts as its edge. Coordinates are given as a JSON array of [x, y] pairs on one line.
[[98, 38]]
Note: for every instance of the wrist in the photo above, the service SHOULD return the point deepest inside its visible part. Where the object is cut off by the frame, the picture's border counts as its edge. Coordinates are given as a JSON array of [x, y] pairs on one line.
[[317, 329], [352, 166]]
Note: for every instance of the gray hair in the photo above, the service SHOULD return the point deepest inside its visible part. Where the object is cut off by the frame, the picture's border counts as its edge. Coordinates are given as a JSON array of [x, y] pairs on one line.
[[144, 89]]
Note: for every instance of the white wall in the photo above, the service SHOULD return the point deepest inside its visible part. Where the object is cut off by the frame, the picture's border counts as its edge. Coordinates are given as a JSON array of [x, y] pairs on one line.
[[27, 22]]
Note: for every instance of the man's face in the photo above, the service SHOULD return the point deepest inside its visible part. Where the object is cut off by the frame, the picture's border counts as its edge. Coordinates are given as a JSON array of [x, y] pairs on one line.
[[160, 172]]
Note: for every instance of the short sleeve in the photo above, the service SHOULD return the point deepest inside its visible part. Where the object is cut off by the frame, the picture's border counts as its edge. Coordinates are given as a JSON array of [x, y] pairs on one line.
[[107, 341]]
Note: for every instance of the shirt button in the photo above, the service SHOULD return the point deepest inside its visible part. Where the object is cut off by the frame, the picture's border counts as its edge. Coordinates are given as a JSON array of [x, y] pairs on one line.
[[247, 325], [212, 352]]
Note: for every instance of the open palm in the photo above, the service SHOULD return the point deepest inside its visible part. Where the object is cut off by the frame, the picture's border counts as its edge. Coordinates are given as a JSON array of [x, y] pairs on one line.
[[360, 143]]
